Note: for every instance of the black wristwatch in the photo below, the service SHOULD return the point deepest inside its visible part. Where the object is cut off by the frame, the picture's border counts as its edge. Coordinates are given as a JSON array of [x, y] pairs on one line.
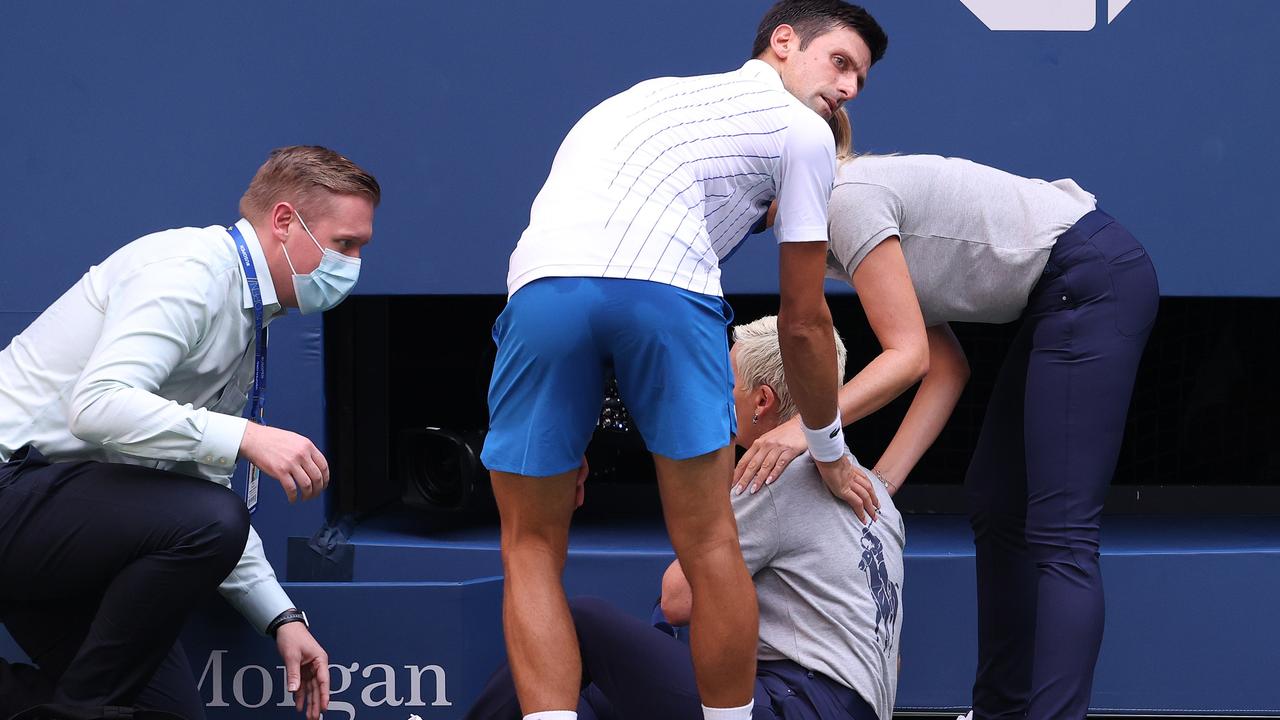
[[292, 615]]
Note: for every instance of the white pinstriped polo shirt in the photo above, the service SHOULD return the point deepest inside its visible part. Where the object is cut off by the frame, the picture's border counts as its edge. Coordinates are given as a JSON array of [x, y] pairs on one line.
[[666, 179]]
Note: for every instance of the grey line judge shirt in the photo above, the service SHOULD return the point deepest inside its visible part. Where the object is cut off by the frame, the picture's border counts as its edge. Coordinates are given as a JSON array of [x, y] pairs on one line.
[[829, 587], [976, 239], [148, 360]]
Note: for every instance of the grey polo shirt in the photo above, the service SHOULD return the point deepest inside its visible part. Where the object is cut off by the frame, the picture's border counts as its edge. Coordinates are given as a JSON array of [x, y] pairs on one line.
[[976, 239], [829, 587]]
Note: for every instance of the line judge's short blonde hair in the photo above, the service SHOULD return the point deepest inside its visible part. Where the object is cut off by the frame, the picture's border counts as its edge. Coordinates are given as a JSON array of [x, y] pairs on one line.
[[302, 175], [760, 360]]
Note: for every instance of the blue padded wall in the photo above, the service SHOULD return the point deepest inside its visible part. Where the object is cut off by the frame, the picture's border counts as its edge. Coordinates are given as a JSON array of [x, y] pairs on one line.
[[1191, 625], [413, 649], [129, 116]]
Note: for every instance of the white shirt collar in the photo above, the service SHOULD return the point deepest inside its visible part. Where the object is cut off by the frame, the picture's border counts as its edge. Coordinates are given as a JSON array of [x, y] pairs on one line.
[[270, 301], [763, 71]]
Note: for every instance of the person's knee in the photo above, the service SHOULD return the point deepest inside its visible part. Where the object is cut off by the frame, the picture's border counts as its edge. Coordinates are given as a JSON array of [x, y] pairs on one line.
[[224, 525], [231, 516], [534, 554], [1073, 557], [713, 561], [707, 535], [983, 521], [526, 537], [530, 545], [535, 512], [711, 547]]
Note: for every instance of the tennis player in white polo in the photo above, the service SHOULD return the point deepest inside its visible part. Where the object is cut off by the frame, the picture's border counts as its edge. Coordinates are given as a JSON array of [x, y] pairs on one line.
[[618, 273]]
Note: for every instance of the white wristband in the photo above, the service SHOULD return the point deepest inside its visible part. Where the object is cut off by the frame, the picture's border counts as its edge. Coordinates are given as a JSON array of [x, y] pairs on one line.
[[826, 444]]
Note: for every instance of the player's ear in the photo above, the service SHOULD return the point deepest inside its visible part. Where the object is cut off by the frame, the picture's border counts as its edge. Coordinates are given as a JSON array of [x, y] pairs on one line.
[[784, 41]]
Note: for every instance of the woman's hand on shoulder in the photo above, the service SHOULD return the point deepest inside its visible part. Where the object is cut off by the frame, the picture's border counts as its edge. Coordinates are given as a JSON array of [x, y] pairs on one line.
[[768, 456]]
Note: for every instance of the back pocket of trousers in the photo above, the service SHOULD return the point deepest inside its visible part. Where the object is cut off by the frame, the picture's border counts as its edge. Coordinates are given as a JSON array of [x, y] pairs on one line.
[[1133, 279]]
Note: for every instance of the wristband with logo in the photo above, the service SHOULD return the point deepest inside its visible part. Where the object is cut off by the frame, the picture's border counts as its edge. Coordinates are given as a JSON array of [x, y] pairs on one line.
[[826, 444]]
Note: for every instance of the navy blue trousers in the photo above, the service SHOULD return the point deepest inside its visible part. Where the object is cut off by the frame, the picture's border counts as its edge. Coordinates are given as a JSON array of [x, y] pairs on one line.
[[1041, 469], [99, 564], [633, 671]]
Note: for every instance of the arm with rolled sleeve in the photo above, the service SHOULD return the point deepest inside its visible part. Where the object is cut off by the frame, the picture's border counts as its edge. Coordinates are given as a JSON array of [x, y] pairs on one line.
[[153, 318]]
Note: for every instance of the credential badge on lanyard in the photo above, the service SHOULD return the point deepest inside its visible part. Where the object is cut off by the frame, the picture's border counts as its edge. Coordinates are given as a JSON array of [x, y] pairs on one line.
[[259, 359]]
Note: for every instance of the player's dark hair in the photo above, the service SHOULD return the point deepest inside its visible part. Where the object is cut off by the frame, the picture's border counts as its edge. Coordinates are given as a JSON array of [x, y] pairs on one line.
[[811, 18]]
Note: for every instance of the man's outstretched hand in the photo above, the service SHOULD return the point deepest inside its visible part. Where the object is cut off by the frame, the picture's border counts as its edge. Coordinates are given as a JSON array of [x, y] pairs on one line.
[[290, 458], [306, 669]]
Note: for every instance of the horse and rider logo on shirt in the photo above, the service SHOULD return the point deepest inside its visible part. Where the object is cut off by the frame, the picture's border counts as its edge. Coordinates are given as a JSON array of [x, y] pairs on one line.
[[883, 590]]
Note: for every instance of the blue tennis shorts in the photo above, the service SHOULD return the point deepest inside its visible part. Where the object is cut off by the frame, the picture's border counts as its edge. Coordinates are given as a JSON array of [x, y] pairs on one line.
[[558, 340]]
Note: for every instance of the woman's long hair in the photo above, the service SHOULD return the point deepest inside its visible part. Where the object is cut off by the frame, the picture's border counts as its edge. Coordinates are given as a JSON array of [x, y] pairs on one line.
[[843, 131]]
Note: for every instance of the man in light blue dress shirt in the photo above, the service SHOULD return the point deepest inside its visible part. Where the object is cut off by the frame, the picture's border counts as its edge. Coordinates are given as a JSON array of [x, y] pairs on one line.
[[121, 402]]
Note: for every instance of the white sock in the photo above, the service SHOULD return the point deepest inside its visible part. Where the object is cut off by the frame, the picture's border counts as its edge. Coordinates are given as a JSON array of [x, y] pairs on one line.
[[738, 713], [553, 715]]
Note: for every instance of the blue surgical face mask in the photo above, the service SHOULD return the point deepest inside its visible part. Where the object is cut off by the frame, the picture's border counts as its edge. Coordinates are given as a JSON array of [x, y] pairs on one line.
[[329, 284]]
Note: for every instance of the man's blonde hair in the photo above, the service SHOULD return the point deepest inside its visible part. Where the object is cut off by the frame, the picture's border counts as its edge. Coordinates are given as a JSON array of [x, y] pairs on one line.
[[304, 175], [760, 360]]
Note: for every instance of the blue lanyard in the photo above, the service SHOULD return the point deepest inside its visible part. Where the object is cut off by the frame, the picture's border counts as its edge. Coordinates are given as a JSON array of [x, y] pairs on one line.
[[259, 355]]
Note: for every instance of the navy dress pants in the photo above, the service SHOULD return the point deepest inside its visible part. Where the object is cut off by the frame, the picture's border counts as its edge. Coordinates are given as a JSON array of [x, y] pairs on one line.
[[99, 564], [633, 671], [1041, 469]]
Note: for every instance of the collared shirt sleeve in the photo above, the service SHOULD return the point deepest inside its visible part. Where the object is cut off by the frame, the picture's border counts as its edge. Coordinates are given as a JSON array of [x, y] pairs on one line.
[[153, 317], [806, 172], [252, 588]]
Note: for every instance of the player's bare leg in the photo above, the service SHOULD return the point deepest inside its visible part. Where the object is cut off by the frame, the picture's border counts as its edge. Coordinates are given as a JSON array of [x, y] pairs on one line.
[[542, 646], [725, 623]]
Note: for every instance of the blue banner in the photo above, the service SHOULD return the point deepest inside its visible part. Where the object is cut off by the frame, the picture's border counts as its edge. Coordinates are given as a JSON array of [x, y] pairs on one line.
[[119, 124]]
